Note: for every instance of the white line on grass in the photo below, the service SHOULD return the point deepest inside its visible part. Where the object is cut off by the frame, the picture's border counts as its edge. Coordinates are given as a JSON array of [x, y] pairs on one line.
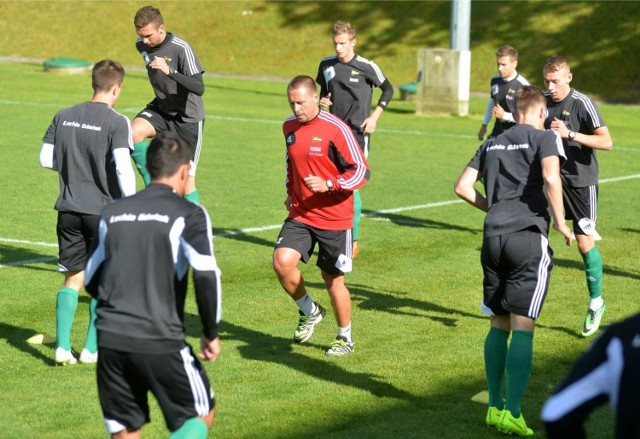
[[22, 241], [277, 122], [28, 261], [377, 215]]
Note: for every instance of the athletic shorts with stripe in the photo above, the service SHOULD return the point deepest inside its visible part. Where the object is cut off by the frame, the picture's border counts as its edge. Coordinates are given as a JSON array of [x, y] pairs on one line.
[[517, 268], [579, 203], [363, 140], [335, 246], [177, 380], [189, 131], [75, 232]]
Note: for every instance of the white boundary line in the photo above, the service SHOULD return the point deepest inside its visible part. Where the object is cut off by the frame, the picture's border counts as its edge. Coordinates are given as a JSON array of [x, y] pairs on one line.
[[378, 215]]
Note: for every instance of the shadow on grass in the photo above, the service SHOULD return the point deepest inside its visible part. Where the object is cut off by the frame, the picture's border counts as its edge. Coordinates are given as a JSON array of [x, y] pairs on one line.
[[408, 221], [283, 351], [17, 337], [383, 29], [11, 256], [400, 303], [243, 236], [607, 270]]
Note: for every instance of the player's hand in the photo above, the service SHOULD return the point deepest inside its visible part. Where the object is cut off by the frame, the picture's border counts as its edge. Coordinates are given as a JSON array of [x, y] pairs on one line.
[[287, 203], [482, 132], [325, 102], [566, 232], [209, 349], [315, 183], [559, 126], [498, 112], [369, 125], [159, 63]]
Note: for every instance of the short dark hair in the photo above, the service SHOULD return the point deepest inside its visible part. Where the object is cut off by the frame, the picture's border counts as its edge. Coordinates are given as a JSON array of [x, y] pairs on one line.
[[528, 96], [166, 153], [302, 81], [146, 15], [507, 50], [106, 74]]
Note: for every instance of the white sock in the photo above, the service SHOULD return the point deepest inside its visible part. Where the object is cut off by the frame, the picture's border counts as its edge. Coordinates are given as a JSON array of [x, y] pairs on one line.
[[345, 332], [596, 303], [306, 305]]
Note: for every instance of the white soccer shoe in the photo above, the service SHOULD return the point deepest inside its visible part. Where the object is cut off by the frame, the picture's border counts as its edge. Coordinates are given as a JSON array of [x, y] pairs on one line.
[[87, 357], [64, 357]]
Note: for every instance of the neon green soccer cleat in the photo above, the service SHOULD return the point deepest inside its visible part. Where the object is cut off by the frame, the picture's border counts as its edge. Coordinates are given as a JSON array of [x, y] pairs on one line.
[[592, 321], [306, 324], [510, 425], [493, 416]]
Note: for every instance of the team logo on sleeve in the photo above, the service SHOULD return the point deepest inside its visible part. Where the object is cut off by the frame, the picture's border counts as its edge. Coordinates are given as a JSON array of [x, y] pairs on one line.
[[290, 139]]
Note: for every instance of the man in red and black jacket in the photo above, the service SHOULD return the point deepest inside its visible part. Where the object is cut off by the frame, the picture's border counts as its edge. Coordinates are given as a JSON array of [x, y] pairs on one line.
[[324, 166]]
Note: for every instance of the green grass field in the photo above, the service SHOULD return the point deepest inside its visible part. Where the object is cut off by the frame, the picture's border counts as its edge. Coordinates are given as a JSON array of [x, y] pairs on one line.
[[416, 286]]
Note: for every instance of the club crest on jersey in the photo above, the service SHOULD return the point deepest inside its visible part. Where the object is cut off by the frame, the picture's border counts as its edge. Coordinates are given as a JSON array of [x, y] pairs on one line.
[[290, 139], [329, 74], [167, 59], [565, 113], [317, 139]]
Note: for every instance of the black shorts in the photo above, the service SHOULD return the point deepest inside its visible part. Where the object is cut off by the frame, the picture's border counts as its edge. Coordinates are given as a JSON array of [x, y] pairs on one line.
[[517, 268], [364, 140], [190, 132], [177, 380], [335, 246], [581, 204], [75, 232]]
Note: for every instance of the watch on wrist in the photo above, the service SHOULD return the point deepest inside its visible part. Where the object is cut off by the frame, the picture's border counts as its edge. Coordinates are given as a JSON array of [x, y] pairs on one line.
[[329, 184], [571, 135], [172, 71]]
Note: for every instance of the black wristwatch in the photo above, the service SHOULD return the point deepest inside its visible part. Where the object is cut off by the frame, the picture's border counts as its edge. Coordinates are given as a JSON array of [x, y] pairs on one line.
[[571, 135], [329, 185]]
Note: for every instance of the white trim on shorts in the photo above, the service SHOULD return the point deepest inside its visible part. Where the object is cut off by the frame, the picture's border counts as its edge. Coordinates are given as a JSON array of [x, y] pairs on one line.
[[198, 388], [543, 279]]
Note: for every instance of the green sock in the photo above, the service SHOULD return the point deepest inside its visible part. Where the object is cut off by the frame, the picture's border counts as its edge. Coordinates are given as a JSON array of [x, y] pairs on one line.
[[66, 305], [593, 270], [357, 212], [193, 428], [91, 343], [139, 156], [495, 356], [519, 364], [192, 196]]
